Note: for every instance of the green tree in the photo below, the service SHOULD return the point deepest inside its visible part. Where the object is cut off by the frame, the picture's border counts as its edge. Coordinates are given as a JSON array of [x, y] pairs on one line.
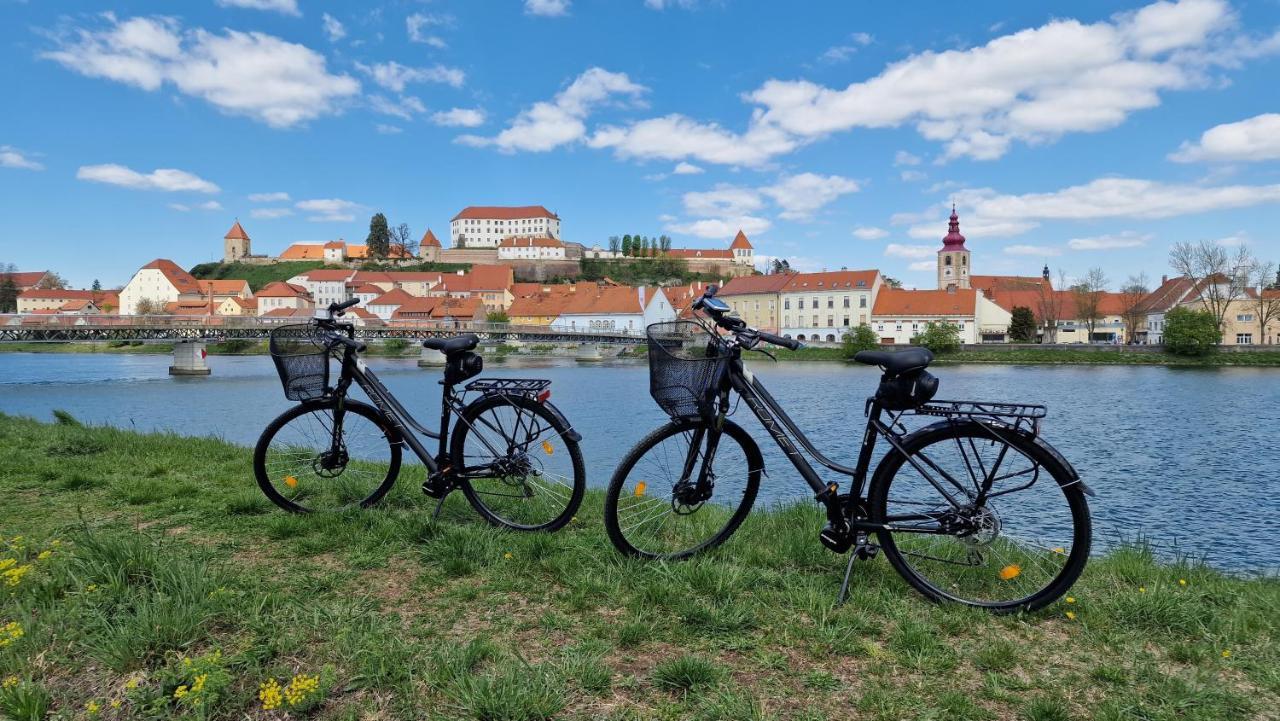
[[97, 285], [1022, 325], [892, 282], [939, 337], [665, 242], [858, 339], [626, 245], [8, 292], [1191, 332], [497, 316], [379, 240], [644, 247]]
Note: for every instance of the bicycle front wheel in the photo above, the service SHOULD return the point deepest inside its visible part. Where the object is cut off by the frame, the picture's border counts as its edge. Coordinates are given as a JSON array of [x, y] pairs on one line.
[[1017, 547], [654, 507], [305, 461], [519, 464]]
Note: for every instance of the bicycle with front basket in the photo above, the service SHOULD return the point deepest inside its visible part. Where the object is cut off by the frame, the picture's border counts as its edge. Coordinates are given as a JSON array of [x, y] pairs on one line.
[[511, 452], [974, 508]]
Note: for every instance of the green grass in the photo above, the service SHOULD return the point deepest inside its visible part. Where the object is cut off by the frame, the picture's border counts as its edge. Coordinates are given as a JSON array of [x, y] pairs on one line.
[[257, 275], [165, 563]]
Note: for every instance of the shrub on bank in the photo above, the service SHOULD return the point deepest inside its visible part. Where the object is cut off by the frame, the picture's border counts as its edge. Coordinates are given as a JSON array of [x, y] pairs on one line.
[[859, 339], [939, 338], [1191, 332]]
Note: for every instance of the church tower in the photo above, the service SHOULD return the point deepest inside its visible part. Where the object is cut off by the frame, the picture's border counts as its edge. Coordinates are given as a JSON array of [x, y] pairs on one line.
[[953, 259], [235, 244]]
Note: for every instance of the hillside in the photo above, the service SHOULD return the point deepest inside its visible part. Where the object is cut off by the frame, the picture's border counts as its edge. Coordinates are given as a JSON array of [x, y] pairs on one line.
[[260, 275], [642, 271]]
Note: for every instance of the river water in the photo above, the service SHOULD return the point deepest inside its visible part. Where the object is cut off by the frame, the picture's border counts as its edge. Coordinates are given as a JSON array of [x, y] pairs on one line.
[[1188, 459]]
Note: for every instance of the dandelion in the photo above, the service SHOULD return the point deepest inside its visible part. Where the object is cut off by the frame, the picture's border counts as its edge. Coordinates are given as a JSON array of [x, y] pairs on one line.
[[300, 688], [1182, 581], [269, 694], [9, 633], [1071, 615], [1226, 653], [91, 588], [1071, 599], [1142, 589], [1010, 572], [92, 708], [508, 555], [9, 682]]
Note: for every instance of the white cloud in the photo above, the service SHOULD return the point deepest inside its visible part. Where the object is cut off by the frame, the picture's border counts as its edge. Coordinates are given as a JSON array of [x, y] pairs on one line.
[[664, 4], [550, 124], [329, 209], [416, 24], [333, 28], [869, 233], [897, 250], [1234, 241], [841, 53], [1126, 239], [913, 176], [11, 157], [546, 8], [287, 7], [404, 108], [268, 197], [166, 179], [683, 168], [459, 117], [270, 213], [721, 201], [207, 205], [676, 137], [800, 196], [902, 157], [1252, 140], [385, 129], [928, 265], [394, 76], [1036, 250], [722, 228], [991, 214], [253, 74]]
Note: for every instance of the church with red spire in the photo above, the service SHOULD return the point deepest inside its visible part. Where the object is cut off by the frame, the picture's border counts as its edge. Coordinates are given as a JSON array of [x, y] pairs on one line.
[[953, 258]]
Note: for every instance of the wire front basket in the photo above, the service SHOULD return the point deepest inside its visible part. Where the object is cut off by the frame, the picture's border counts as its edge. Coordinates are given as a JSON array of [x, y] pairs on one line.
[[301, 354], [684, 368]]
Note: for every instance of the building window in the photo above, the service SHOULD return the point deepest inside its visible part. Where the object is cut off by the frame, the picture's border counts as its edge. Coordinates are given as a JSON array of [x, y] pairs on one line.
[[846, 301], [899, 327], [846, 321], [1244, 339], [831, 303], [815, 320], [786, 304], [800, 301], [947, 261], [831, 321], [1244, 317], [862, 302]]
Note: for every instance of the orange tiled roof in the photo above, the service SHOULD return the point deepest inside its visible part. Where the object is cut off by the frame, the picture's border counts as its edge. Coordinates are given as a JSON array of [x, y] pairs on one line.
[[368, 289], [179, 278], [740, 242], [397, 296], [546, 304], [490, 277], [236, 233], [831, 280], [26, 279], [323, 275], [281, 289], [288, 313], [73, 305], [697, 253], [744, 284], [1009, 282], [223, 287], [429, 240], [529, 242], [303, 251], [895, 302], [505, 212], [606, 299]]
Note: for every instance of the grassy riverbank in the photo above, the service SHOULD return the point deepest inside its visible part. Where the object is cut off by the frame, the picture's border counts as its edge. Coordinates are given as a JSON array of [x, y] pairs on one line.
[[155, 566]]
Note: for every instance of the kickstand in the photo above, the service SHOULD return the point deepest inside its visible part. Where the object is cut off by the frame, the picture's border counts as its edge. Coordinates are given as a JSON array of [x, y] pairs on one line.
[[439, 507], [844, 587]]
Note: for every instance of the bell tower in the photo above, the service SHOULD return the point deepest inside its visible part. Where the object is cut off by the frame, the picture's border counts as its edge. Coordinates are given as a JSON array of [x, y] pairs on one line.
[[235, 244], [953, 259]]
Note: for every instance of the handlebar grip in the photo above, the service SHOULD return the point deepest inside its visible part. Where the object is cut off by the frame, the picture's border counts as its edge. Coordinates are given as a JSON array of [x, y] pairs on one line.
[[788, 343], [339, 307], [350, 342]]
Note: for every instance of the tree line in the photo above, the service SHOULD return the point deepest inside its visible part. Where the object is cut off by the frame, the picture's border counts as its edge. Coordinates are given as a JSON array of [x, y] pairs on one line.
[[639, 246], [385, 241]]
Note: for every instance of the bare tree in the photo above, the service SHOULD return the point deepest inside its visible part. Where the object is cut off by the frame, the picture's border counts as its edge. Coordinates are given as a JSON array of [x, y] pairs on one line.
[[1088, 297], [1049, 307], [1132, 307], [52, 281], [1217, 275], [148, 306], [1266, 306], [615, 244], [401, 241]]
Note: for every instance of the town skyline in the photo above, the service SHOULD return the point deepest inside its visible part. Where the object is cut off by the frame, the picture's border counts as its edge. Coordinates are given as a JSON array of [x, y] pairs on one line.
[[845, 148]]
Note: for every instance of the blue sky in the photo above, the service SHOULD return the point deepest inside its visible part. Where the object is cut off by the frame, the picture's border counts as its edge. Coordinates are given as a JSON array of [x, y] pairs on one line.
[[1082, 134]]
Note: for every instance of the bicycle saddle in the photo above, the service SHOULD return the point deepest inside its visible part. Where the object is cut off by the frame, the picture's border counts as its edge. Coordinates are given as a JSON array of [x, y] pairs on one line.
[[896, 362], [454, 344]]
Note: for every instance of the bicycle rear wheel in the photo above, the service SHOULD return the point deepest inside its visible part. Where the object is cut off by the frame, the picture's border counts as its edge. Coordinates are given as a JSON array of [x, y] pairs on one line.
[[302, 467], [520, 465], [651, 509], [1018, 548]]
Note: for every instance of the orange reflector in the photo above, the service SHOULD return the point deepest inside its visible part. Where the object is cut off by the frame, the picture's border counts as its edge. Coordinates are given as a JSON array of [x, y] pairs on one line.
[[1010, 572], [547, 448], [543, 396], [640, 489], [290, 481]]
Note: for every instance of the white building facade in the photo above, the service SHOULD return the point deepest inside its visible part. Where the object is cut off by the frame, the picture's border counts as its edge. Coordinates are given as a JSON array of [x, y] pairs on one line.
[[825, 306], [487, 226]]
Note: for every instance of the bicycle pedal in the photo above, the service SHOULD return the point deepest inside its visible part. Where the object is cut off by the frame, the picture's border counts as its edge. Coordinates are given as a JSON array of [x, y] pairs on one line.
[[435, 489], [837, 540]]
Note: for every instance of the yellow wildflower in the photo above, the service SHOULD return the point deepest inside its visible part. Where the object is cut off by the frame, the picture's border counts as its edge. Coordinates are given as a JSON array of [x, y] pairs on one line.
[[9, 633], [198, 685], [507, 555], [92, 707], [300, 688], [131, 684], [55, 543], [1226, 653], [13, 576], [1142, 589], [9, 682], [269, 694], [1071, 615], [1071, 599], [115, 703], [1182, 581], [7, 563], [180, 691], [91, 588], [43, 555]]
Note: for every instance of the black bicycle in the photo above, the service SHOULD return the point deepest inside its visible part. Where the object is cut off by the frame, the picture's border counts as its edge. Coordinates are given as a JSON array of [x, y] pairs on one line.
[[512, 453], [974, 508]]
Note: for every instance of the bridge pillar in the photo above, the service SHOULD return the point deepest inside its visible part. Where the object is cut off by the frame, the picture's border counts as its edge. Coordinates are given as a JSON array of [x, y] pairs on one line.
[[430, 358], [589, 352], [188, 359]]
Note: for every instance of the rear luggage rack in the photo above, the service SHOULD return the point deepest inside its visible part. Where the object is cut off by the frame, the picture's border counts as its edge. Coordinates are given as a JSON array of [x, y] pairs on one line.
[[1019, 415], [523, 386]]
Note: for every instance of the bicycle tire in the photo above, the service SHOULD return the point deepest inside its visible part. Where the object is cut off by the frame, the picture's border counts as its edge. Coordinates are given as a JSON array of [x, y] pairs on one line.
[[264, 477], [1073, 562], [556, 422], [755, 468]]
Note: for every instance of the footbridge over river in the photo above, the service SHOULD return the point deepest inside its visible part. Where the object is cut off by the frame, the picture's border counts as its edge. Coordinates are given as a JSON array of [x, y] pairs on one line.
[[190, 334]]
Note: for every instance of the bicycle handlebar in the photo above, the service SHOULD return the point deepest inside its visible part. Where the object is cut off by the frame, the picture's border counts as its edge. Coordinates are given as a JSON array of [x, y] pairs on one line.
[[339, 308], [746, 334], [788, 343]]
